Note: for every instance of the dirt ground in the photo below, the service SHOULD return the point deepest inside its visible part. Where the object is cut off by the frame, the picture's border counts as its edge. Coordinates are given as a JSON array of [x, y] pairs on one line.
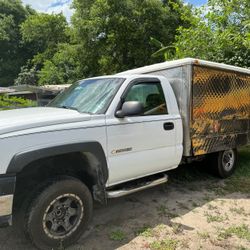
[[195, 213]]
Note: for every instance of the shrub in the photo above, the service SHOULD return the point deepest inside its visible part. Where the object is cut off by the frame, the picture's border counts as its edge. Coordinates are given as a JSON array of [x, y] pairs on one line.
[[7, 102]]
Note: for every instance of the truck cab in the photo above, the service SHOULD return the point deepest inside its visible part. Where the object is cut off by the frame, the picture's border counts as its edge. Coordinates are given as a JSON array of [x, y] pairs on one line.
[[99, 133], [147, 139]]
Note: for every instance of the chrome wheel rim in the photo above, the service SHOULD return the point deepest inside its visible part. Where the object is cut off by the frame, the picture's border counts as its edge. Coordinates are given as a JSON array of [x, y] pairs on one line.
[[228, 159], [63, 216]]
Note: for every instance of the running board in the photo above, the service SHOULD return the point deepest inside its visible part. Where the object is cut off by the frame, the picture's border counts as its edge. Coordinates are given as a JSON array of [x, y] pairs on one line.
[[138, 187]]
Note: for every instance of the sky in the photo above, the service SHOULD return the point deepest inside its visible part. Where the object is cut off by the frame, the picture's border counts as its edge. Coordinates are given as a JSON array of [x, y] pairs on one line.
[[57, 6]]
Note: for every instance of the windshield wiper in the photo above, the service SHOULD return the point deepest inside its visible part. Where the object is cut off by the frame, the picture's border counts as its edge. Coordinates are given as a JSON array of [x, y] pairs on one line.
[[68, 107], [73, 108]]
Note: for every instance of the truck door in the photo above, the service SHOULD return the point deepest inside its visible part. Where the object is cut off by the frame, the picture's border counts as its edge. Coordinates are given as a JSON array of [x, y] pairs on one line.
[[144, 144]]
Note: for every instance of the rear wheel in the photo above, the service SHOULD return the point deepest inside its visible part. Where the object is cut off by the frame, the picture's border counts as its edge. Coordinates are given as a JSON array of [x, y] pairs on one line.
[[59, 214], [224, 162]]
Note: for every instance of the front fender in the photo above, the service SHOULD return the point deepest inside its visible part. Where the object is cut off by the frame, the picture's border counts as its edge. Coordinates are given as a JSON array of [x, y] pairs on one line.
[[22, 159]]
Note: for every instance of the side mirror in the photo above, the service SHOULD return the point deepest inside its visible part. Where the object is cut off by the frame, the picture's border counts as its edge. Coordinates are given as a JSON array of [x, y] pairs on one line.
[[130, 108]]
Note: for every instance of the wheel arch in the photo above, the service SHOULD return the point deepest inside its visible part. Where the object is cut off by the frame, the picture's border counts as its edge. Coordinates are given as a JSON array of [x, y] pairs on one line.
[[92, 151]]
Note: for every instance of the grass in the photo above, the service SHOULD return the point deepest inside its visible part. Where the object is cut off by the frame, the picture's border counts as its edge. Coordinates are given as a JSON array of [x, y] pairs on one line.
[[240, 180], [203, 235], [242, 248], [211, 207], [177, 228], [238, 210], [117, 235], [242, 232], [167, 244], [214, 218], [162, 210], [145, 231]]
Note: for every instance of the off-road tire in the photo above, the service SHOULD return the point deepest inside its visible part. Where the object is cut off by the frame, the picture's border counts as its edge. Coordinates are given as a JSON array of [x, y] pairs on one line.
[[35, 214]]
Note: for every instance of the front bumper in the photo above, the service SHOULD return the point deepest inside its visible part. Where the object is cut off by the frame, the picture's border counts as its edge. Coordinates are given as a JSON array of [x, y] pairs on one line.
[[7, 189]]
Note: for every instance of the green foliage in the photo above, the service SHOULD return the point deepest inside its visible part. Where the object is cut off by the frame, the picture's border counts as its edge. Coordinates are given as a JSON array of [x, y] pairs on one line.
[[167, 244], [219, 31], [27, 76], [108, 36], [167, 52], [117, 235], [45, 32], [13, 52], [239, 182], [145, 231], [114, 35], [242, 232], [7, 102], [62, 68]]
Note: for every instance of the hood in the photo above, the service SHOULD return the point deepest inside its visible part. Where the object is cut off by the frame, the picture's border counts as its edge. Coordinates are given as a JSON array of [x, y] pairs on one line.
[[26, 118]]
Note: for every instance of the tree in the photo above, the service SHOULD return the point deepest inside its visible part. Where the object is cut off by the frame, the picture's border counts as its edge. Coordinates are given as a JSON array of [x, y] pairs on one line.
[[62, 68], [45, 32], [27, 76], [13, 53], [115, 35], [219, 31]]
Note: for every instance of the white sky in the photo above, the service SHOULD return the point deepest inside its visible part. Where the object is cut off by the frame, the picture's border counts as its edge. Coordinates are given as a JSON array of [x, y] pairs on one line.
[[57, 6], [51, 6]]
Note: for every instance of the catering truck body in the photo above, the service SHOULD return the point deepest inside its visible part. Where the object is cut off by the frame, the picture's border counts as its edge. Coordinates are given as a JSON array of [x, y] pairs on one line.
[[109, 136]]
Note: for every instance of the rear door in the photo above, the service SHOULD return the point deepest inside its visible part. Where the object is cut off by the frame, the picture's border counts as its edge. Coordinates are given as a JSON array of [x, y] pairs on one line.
[[144, 144]]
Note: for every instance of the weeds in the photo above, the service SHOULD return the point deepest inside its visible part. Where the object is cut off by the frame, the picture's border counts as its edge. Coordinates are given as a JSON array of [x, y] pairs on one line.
[[145, 231], [242, 232], [239, 181], [236, 210], [167, 244], [203, 235], [214, 218], [117, 235]]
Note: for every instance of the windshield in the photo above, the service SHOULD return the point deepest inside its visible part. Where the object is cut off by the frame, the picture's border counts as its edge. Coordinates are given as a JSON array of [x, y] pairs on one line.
[[89, 96]]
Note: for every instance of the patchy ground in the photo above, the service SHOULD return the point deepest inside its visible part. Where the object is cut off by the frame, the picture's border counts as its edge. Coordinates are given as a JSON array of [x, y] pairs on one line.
[[192, 211]]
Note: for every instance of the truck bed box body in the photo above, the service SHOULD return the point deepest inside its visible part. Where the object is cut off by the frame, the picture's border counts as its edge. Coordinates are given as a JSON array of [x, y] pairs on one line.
[[214, 103]]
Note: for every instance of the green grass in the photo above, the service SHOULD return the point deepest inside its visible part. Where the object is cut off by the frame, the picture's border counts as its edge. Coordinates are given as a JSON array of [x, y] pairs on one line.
[[214, 218], [177, 228], [117, 235], [242, 232], [167, 244], [238, 210], [240, 180], [203, 235], [145, 231]]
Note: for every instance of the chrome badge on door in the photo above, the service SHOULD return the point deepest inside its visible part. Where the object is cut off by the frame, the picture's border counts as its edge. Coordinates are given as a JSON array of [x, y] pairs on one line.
[[122, 150]]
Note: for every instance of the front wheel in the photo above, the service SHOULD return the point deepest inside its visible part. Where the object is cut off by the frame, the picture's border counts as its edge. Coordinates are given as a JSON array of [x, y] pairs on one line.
[[59, 214], [224, 162]]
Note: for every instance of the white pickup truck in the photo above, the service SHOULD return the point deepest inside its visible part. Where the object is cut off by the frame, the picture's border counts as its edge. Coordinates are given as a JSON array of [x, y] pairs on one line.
[[109, 136]]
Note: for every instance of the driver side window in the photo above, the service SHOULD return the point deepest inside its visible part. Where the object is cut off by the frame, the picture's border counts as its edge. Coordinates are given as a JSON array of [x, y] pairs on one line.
[[150, 95]]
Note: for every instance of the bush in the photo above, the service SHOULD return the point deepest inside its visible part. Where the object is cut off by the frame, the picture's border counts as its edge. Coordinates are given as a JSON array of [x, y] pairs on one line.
[[7, 102]]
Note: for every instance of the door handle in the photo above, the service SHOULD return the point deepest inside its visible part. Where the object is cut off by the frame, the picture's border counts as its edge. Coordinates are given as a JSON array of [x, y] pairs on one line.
[[168, 125]]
